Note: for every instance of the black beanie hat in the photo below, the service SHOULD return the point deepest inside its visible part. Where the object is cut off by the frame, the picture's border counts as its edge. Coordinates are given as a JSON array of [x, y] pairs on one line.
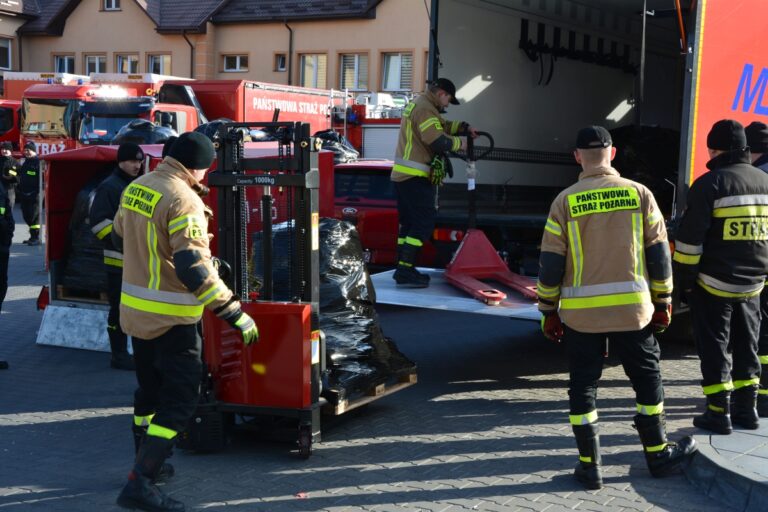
[[757, 137], [193, 150], [168, 144], [129, 151], [31, 146], [727, 135], [6, 145]]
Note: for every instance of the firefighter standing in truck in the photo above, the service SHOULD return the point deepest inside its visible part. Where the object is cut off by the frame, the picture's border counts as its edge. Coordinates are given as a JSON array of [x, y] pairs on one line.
[[757, 139], [720, 264], [106, 200], [420, 165], [605, 274], [168, 279]]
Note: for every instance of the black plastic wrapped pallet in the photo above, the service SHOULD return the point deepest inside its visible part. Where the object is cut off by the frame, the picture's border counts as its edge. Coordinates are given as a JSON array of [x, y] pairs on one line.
[[84, 267], [358, 355]]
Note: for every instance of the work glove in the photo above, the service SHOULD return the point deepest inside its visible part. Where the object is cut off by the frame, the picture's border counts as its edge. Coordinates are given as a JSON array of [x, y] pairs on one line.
[[247, 327], [661, 318], [438, 170], [552, 327]]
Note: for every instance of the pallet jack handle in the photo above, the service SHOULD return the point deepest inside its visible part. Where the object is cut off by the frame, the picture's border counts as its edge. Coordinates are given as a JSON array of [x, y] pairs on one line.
[[471, 158]]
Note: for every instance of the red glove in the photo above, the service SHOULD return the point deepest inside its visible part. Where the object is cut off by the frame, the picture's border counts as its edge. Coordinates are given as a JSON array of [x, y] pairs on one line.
[[552, 327], [661, 317]]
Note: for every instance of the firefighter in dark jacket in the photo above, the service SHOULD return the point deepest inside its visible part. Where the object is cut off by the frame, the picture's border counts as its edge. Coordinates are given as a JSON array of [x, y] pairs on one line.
[[757, 139], [420, 165], [130, 159], [6, 236], [29, 192], [720, 265], [9, 171]]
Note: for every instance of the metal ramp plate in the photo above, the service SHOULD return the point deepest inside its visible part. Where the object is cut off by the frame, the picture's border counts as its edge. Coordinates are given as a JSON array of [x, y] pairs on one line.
[[443, 296]]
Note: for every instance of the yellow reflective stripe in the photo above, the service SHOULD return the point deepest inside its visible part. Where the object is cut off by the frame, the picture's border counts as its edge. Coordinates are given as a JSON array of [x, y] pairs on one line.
[[154, 259], [158, 431], [738, 384], [688, 248], [104, 232], [654, 217], [662, 286], [727, 295], [2, 210], [456, 144], [762, 392], [583, 419], [650, 410], [432, 121], [160, 308], [763, 359], [413, 241], [400, 240], [114, 262], [547, 291], [717, 388], [410, 171], [408, 109], [211, 294], [585, 459], [143, 421], [408, 140], [178, 223], [686, 259], [657, 448], [741, 211], [574, 239], [604, 301], [455, 127], [11, 172], [715, 408], [637, 232], [33, 226], [553, 227]]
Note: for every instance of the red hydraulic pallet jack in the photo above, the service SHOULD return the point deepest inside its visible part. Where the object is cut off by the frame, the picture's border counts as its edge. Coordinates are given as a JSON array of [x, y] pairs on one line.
[[477, 259]]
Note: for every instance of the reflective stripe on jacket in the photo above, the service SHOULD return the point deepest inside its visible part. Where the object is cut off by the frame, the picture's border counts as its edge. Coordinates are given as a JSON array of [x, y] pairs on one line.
[[421, 125], [106, 200], [601, 227], [160, 215]]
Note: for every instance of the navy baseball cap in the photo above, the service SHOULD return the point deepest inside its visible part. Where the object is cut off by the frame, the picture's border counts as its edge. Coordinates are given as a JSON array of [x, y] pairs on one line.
[[447, 86], [593, 137]]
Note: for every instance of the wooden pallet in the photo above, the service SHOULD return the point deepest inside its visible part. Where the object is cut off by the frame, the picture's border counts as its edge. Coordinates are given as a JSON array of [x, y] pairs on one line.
[[376, 392], [80, 295]]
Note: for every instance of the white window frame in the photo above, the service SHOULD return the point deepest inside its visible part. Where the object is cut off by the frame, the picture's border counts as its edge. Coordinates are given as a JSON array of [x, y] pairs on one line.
[[400, 86], [161, 56], [100, 61], [281, 62], [58, 59], [356, 86], [10, 54], [315, 70], [130, 57], [111, 5], [239, 68]]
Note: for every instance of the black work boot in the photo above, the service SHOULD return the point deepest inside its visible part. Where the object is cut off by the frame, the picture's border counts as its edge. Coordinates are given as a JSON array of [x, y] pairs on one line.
[[663, 458], [166, 470], [717, 417], [118, 343], [587, 471], [744, 407], [34, 237], [406, 273], [762, 393], [140, 493]]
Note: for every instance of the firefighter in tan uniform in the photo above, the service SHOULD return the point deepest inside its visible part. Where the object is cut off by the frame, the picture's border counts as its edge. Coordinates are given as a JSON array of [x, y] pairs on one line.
[[168, 278], [420, 164], [605, 274]]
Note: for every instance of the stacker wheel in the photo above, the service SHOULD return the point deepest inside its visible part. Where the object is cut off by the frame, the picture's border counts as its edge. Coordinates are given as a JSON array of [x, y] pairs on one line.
[[305, 441]]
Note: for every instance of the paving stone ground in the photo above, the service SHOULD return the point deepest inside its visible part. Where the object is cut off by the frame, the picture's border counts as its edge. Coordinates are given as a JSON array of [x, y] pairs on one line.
[[484, 429]]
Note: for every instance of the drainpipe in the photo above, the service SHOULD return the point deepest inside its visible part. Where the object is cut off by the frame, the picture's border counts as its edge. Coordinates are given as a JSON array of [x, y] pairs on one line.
[[290, 54], [191, 54], [18, 38]]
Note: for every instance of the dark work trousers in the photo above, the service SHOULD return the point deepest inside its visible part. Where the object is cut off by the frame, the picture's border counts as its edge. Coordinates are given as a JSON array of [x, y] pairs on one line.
[[762, 343], [118, 340], [4, 255], [11, 190], [639, 354], [168, 369], [726, 335], [30, 209], [416, 208]]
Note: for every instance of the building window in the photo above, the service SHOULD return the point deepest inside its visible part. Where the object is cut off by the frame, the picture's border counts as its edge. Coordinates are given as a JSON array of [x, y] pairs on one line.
[[397, 72], [111, 5], [280, 62], [312, 70], [5, 53], [354, 72], [235, 63], [95, 64], [64, 63], [126, 63], [159, 64]]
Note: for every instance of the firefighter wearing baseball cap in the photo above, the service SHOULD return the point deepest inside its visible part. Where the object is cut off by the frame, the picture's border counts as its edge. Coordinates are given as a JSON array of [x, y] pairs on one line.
[[757, 139], [168, 279], [605, 274], [420, 164], [130, 159], [720, 263], [29, 192], [9, 171]]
